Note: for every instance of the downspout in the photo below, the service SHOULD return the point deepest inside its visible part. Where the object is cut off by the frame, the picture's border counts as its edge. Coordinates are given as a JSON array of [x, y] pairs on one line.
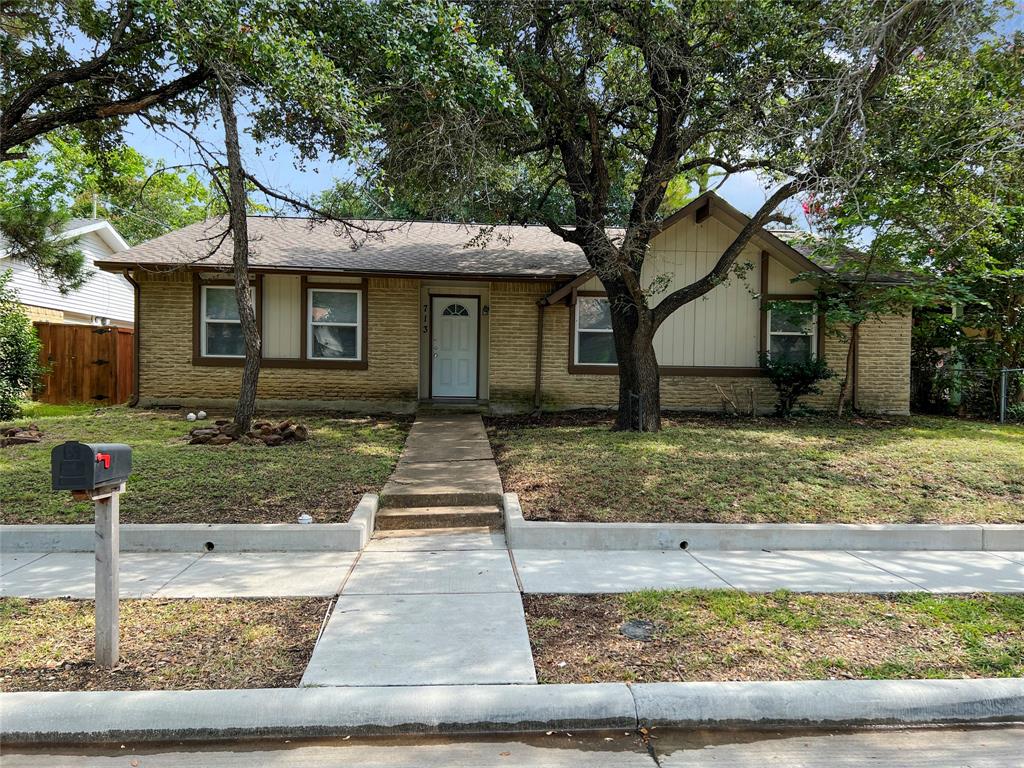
[[135, 339], [538, 364], [856, 367]]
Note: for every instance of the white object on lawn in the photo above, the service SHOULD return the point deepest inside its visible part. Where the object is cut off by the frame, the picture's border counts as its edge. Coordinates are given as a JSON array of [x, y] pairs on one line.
[[201, 415], [305, 519], [190, 417]]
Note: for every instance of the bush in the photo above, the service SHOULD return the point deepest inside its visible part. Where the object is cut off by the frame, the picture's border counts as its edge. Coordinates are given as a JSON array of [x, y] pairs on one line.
[[19, 352], [794, 379]]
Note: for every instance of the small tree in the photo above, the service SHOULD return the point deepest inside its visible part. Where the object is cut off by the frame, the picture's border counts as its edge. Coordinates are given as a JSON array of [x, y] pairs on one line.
[[793, 379], [19, 351]]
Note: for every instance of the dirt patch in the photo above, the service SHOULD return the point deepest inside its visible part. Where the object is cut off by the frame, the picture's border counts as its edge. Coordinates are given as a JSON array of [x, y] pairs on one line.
[[723, 635], [47, 645]]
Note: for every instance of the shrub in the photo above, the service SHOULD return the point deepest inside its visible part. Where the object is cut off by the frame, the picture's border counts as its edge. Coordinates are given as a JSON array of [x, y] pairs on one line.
[[19, 352], [793, 379]]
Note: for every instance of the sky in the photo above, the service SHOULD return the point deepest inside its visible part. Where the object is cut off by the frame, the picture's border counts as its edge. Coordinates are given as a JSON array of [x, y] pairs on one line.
[[277, 168], [745, 191]]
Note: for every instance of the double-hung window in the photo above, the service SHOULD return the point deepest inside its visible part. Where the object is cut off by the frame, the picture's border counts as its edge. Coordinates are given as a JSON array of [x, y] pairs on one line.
[[793, 332], [221, 332], [594, 342], [334, 330]]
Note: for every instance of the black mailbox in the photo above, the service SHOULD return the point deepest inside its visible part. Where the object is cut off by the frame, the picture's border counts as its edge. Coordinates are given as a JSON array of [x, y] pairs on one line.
[[78, 466]]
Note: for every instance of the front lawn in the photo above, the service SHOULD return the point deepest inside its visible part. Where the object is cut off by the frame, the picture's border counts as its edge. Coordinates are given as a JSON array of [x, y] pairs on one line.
[[48, 645], [727, 635], [173, 482], [712, 469]]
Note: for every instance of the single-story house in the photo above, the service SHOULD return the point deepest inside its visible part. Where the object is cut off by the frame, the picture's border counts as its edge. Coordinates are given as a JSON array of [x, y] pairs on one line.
[[504, 318], [104, 299]]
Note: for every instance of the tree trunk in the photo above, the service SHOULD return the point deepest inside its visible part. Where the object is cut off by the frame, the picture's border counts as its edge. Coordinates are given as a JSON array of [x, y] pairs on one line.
[[245, 409], [851, 357], [639, 379]]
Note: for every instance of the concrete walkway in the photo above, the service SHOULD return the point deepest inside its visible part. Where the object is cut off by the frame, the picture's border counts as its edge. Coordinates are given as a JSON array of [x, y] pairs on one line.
[[432, 562], [178, 574], [447, 461], [591, 571], [427, 609]]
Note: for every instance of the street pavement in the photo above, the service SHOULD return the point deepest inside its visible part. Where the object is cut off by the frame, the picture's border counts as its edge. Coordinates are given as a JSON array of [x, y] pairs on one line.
[[988, 747]]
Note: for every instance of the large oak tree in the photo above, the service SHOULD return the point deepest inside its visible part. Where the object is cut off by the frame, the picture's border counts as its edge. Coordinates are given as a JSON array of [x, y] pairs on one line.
[[626, 97]]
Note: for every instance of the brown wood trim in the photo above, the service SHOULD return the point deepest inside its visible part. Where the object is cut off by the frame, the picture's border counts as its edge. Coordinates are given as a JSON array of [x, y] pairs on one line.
[[197, 324], [663, 370], [592, 293], [790, 297], [668, 371], [281, 362], [703, 212], [430, 344], [482, 277], [762, 342], [304, 361]]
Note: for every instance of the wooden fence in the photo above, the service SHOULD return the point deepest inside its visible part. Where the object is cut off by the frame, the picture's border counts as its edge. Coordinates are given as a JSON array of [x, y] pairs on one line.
[[86, 364]]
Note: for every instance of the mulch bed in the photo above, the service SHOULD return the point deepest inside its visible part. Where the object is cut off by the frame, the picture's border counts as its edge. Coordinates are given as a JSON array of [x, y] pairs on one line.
[[47, 645]]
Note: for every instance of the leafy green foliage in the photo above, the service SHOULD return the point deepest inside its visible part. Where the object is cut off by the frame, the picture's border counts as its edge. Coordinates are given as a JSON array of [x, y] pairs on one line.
[[19, 351], [140, 197], [793, 379]]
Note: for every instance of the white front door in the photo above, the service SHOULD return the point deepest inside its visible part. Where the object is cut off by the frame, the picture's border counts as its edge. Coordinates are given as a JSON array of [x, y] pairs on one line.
[[453, 346]]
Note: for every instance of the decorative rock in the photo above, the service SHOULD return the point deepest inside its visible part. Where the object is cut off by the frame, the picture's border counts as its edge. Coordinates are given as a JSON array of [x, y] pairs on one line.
[[200, 439], [203, 431], [220, 440], [232, 430], [300, 432], [284, 425], [272, 440], [222, 422], [201, 415], [191, 417]]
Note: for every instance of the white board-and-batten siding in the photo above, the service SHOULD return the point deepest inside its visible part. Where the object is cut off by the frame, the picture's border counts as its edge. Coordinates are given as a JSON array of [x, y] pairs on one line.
[[722, 327]]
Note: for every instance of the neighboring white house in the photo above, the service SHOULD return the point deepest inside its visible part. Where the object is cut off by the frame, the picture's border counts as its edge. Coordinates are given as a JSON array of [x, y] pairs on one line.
[[105, 299]]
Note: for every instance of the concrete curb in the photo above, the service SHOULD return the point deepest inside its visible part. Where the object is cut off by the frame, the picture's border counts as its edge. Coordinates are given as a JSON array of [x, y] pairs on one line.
[[150, 716], [829, 702], [528, 534], [276, 537], [55, 718]]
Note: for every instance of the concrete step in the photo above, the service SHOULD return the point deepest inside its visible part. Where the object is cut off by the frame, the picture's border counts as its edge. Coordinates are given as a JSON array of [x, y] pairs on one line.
[[407, 518]]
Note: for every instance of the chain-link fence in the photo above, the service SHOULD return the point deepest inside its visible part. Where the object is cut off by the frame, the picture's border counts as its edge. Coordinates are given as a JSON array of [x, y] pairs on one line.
[[983, 393]]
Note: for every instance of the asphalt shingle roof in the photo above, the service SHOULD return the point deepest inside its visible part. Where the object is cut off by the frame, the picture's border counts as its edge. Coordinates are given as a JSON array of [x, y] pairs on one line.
[[392, 247]]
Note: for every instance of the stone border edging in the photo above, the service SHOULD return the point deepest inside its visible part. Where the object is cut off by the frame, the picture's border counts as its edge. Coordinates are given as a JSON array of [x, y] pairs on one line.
[[151, 716], [186, 537], [534, 534]]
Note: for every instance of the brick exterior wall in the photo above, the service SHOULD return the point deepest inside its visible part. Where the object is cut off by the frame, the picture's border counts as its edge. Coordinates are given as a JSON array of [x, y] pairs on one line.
[[167, 373]]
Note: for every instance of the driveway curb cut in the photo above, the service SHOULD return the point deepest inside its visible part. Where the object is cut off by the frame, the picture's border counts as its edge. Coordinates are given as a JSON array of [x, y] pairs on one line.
[[535, 534], [152, 716]]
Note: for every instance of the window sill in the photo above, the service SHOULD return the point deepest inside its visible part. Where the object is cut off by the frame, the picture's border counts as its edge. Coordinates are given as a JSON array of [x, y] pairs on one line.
[[672, 370], [296, 363]]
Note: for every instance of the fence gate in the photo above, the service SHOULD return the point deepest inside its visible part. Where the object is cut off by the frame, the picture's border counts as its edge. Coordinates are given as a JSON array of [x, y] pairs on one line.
[[86, 364]]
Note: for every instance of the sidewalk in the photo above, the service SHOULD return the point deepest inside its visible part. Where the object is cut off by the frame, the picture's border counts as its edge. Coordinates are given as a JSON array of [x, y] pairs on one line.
[[427, 609], [408, 567]]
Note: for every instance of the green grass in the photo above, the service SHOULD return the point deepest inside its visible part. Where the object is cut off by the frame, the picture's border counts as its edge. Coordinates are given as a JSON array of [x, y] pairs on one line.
[[727, 635], [706, 469], [175, 482]]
